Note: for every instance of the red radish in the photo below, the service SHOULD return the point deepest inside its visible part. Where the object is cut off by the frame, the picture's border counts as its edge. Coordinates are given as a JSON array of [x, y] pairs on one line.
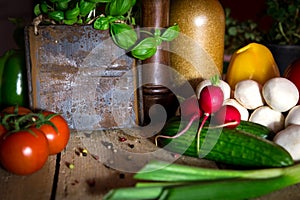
[[189, 110], [190, 107], [210, 100], [227, 116]]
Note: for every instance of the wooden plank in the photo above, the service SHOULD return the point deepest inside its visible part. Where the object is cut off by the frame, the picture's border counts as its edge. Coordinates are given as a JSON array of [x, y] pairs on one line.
[[290, 193], [114, 156], [92, 178], [111, 161], [37, 186]]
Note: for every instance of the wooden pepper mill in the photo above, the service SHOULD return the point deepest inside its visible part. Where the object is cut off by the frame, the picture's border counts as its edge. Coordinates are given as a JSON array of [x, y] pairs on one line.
[[155, 14]]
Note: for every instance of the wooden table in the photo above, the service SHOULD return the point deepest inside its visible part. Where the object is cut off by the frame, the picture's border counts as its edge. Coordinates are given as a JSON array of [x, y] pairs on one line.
[[110, 163]]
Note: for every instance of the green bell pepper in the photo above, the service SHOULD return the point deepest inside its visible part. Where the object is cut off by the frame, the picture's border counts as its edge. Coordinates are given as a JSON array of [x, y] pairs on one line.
[[13, 81], [3, 59]]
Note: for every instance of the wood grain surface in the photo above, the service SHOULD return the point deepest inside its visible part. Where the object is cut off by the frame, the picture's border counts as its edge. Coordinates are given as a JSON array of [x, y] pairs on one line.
[[112, 159]]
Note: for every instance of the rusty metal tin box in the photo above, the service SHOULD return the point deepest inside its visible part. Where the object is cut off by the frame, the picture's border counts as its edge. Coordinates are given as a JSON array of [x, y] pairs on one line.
[[78, 71]]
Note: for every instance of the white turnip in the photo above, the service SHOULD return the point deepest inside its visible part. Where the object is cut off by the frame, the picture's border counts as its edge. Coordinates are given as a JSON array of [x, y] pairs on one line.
[[248, 94], [293, 116], [280, 94], [268, 117], [289, 138]]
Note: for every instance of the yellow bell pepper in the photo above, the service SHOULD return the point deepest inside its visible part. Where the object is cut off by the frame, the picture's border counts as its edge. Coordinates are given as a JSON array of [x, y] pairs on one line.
[[254, 61]]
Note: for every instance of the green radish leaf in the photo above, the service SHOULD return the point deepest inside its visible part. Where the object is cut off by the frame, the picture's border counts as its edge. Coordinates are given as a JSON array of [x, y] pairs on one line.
[[145, 49], [171, 33], [215, 80], [123, 35]]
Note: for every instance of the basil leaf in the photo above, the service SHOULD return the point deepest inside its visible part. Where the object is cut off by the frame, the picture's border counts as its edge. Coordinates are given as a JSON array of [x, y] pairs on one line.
[[102, 23], [123, 35], [133, 2], [100, 1], [70, 21], [44, 7], [118, 7], [145, 49], [37, 10], [86, 7], [171, 33], [72, 13], [63, 5], [56, 15]]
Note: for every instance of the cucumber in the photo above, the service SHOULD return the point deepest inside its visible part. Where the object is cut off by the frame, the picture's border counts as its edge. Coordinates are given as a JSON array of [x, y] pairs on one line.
[[223, 145], [256, 129]]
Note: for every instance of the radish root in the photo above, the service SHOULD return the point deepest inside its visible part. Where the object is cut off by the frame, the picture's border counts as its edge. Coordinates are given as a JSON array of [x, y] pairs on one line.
[[194, 117]]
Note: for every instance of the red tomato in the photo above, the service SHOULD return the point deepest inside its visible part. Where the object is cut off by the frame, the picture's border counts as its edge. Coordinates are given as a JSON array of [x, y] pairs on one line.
[[24, 152], [2, 130], [57, 140], [21, 110]]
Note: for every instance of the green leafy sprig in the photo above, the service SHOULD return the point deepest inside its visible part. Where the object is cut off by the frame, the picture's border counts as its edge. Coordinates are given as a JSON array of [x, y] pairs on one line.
[[286, 16], [113, 15]]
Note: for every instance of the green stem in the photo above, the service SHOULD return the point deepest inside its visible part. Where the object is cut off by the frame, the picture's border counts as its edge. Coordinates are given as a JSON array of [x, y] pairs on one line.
[[282, 32], [134, 193], [244, 187], [147, 32], [162, 171]]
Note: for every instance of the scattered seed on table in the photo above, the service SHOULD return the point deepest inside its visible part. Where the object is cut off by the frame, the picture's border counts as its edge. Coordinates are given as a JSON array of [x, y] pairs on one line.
[[176, 155], [75, 182], [88, 135], [122, 176], [107, 144], [129, 157], [95, 156], [70, 165], [91, 182], [84, 152], [111, 162], [122, 139]]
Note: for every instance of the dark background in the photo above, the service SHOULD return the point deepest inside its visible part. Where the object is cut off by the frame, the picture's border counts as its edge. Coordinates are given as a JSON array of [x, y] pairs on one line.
[[242, 10]]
